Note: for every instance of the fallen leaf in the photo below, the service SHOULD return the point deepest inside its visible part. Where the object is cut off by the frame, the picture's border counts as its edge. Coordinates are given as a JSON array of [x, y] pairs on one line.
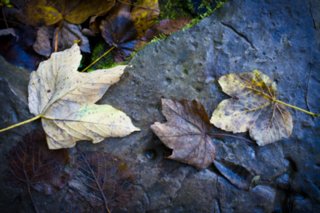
[[37, 12], [166, 27], [102, 180], [17, 49], [144, 14], [118, 31], [252, 108], [9, 31], [64, 36], [68, 34], [50, 12], [42, 45], [125, 25], [64, 98], [186, 132], [33, 166]]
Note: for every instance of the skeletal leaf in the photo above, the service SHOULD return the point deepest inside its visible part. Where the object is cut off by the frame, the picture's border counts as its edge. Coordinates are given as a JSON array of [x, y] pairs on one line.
[[104, 181], [64, 98], [33, 166], [253, 107], [186, 132]]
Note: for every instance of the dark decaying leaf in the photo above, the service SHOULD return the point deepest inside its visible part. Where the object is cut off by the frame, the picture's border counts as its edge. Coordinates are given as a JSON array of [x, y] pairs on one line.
[[17, 49], [126, 24], [64, 36], [253, 107], [49, 12], [33, 166], [236, 174], [166, 27], [9, 31], [42, 45], [68, 34], [100, 179], [186, 132], [118, 30]]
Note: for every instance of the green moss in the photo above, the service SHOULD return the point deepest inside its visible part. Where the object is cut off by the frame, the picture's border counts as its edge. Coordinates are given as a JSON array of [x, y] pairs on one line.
[[173, 9], [209, 11], [105, 62]]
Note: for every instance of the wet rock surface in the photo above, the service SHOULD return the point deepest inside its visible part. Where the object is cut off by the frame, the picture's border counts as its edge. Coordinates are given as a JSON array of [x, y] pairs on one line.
[[280, 38]]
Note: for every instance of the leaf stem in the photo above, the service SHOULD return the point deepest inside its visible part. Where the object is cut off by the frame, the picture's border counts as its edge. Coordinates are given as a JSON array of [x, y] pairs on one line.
[[98, 59], [21, 123], [296, 108], [273, 99]]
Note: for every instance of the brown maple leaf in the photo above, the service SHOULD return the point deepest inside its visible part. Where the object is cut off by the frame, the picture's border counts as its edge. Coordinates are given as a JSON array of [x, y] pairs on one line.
[[253, 107], [186, 132]]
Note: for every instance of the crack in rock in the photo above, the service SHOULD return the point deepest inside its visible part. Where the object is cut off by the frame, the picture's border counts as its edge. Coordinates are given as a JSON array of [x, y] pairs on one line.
[[241, 35]]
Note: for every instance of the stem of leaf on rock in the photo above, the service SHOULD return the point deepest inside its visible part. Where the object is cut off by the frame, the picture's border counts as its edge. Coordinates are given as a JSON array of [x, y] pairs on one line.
[[21, 123], [283, 103], [297, 108]]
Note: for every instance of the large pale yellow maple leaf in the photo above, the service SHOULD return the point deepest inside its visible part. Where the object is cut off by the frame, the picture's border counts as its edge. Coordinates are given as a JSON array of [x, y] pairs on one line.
[[64, 99]]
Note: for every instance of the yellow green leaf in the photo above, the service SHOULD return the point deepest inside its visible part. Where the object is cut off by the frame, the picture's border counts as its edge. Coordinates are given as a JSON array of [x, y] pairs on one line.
[[79, 11], [144, 15], [41, 14], [49, 12]]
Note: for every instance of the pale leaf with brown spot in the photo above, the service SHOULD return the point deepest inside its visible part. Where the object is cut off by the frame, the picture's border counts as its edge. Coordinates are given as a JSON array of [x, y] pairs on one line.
[[65, 100], [253, 107], [186, 132]]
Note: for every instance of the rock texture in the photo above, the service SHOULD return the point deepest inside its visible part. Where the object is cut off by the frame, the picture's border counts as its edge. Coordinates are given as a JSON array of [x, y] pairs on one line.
[[280, 38]]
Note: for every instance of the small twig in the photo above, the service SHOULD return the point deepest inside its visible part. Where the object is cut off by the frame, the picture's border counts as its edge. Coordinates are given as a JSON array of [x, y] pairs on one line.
[[98, 59], [4, 18], [56, 36]]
